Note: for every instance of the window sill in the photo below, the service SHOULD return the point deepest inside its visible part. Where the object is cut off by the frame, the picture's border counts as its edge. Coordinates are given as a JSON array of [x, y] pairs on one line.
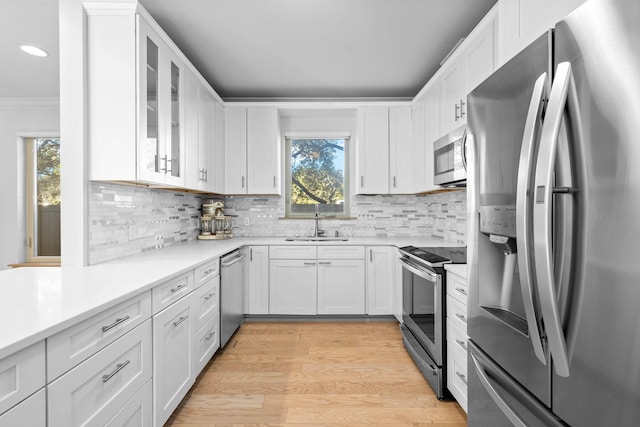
[[322, 218], [35, 264]]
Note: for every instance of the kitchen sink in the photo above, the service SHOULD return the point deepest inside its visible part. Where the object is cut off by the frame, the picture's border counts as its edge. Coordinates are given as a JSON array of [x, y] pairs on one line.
[[316, 239]]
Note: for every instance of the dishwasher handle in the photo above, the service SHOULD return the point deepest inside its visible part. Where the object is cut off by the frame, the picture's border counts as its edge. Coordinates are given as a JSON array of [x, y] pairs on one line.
[[233, 260]]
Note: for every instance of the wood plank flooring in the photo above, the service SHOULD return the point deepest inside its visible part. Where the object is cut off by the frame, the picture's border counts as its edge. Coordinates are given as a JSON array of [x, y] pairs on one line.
[[314, 374]]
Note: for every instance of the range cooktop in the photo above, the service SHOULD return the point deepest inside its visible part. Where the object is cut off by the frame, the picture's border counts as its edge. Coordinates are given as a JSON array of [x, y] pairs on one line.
[[438, 256]]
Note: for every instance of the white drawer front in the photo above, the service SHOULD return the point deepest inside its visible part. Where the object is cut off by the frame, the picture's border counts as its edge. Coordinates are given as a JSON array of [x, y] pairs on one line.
[[207, 301], [456, 337], [94, 391], [292, 252], [31, 412], [457, 312], [21, 374], [207, 342], [457, 376], [73, 345], [138, 412], [457, 287], [206, 271], [167, 293], [340, 252]]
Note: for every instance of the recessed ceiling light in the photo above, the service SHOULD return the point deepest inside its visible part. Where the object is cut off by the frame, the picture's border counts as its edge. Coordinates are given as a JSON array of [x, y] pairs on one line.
[[35, 51]]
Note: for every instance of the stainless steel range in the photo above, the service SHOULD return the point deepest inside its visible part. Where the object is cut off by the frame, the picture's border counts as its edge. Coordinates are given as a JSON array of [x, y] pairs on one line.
[[423, 309]]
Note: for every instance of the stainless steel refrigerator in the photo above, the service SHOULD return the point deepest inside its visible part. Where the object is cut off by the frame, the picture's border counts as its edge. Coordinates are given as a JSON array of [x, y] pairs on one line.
[[554, 242]]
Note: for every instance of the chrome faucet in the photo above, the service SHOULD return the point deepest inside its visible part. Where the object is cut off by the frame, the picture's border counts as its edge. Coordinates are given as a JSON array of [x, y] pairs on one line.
[[316, 231]]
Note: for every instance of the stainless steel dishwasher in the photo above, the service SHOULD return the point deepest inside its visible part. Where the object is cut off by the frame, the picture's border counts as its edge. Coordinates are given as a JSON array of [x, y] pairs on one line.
[[231, 294]]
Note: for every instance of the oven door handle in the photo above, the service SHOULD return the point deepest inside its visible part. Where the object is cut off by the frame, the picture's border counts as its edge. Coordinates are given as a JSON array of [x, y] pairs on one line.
[[419, 271]]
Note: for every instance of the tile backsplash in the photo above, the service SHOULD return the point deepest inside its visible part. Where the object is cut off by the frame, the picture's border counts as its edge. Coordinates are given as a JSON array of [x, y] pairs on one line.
[[125, 220]]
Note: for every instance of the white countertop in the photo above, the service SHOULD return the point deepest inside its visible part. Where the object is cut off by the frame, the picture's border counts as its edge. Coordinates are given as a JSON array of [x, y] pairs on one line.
[[459, 269], [36, 303]]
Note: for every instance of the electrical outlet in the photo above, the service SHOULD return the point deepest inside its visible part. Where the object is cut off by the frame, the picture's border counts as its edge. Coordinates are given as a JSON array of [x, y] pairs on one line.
[[247, 221]]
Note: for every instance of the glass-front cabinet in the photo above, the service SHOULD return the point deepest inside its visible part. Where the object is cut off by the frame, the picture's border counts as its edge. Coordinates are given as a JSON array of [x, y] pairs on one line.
[[160, 141]]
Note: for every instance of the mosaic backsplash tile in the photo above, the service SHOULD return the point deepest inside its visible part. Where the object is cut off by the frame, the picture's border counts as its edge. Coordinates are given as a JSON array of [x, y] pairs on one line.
[[125, 220]]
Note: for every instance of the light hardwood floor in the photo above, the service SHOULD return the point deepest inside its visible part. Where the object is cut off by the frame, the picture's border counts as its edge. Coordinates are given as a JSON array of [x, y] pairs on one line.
[[314, 374]]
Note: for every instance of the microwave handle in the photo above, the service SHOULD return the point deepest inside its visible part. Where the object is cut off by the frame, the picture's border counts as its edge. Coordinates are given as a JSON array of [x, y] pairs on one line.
[[464, 149]]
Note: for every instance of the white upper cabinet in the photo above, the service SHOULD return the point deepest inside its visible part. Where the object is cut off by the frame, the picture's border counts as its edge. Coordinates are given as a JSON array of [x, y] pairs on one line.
[[372, 151], [252, 150], [426, 124], [474, 62], [400, 151], [217, 174], [263, 150], [151, 115], [200, 135], [523, 21]]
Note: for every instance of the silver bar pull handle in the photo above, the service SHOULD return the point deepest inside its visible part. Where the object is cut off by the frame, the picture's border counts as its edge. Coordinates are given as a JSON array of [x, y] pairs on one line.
[[461, 317], [119, 367], [309, 263], [462, 291], [462, 111], [457, 115], [177, 288], [242, 181], [394, 182], [209, 271], [209, 336], [462, 344], [495, 396], [209, 296], [324, 262], [361, 181], [563, 95], [462, 377], [115, 323], [274, 181], [524, 226], [180, 320]]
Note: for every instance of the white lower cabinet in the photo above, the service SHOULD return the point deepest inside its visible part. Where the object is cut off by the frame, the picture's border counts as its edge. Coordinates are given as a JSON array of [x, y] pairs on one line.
[[292, 286], [380, 280], [95, 390], [21, 374], [341, 286], [138, 412], [173, 346], [457, 336], [207, 342], [31, 412], [256, 289]]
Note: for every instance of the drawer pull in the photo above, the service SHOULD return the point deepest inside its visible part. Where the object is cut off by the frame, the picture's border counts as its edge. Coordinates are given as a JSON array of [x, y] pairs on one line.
[[114, 324], [461, 317], [180, 320], [211, 335], [119, 368], [309, 263], [177, 288], [209, 271], [208, 297], [324, 262], [462, 291], [462, 344], [462, 377]]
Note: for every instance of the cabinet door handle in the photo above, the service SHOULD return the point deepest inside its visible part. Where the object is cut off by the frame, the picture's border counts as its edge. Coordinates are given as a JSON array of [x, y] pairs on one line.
[[177, 288], [211, 295], [165, 160], [309, 263], [180, 320], [209, 336], [242, 181], [456, 112], [462, 344], [250, 254], [461, 317], [119, 367], [394, 182], [206, 175], [462, 377], [324, 262], [462, 112], [209, 271], [361, 181], [115, 323], [274, 181], [462, 291], [370, 255]]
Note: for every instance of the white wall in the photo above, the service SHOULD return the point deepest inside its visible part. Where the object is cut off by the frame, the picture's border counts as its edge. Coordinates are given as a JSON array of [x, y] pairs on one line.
[[19, 118]]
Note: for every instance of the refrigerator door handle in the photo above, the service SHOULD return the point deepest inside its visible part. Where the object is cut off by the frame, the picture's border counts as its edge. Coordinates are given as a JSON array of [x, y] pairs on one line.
[[495, 396], [523, 211], [563, 94]]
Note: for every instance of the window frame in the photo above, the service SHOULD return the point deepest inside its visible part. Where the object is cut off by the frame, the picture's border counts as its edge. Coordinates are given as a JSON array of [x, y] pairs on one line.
[[346, 136], [31, 198]]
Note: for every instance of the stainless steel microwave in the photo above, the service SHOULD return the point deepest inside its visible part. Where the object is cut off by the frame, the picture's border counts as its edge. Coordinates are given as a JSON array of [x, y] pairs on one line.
[[449, 159]]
